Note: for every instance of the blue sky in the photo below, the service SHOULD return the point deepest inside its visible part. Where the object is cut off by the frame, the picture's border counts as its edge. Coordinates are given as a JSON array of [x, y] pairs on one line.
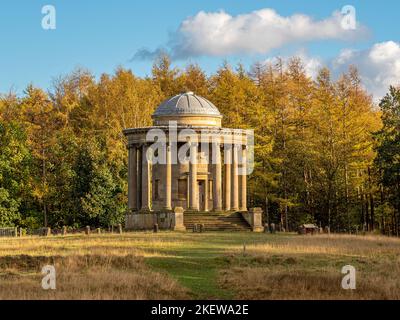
[[101, 35]]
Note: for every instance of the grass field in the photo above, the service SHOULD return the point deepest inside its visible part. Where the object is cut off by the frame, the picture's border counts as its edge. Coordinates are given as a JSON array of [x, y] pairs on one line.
[[171, 265]]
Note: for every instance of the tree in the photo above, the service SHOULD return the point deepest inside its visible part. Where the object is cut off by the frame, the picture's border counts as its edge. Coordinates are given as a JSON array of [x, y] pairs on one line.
[[388, 151], [164, 77], [96, 194], [14, 173]]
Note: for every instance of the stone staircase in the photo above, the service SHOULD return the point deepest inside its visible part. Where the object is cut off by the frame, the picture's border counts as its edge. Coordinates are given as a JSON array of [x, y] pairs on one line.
[[216, 221]]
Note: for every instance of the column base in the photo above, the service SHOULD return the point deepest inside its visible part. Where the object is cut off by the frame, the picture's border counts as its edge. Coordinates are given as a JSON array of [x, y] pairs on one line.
[[181, 228], [144, 210]]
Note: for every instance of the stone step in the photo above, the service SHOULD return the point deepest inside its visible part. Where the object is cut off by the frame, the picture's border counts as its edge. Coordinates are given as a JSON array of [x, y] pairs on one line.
[[213, 221], [220, 220], [214, 218], [216, 228], [219, 227], [216, 224], [232, 221]]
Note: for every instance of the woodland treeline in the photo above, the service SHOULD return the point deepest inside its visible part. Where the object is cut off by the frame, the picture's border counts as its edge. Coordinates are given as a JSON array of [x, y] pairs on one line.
[[324, 151]]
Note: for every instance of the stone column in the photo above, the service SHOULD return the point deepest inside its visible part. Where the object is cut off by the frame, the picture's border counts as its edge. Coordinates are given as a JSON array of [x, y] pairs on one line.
[[235, 179], [168, 175], [139, 176], [193, 196], [145, 179], [243, 181], [206, 191], [227, 180], [217, 195], [132, 176]]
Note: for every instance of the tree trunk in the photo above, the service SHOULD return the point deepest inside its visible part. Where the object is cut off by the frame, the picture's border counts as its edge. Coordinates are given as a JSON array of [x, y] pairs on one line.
[[371, 201]]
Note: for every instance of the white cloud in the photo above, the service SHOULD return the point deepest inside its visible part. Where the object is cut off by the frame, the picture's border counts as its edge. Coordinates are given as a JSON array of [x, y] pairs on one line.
[[311, 65], [258, 32], [379, 66]]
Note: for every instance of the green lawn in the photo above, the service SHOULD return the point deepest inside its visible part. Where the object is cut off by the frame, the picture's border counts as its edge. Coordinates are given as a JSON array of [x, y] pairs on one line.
[[196, 262]]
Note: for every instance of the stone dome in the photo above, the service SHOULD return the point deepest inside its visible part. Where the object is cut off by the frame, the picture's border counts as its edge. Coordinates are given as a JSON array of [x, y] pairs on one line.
[[187, 108]]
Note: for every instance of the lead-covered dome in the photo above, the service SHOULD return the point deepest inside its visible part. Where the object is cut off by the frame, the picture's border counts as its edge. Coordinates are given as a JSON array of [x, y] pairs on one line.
[[187, 108]]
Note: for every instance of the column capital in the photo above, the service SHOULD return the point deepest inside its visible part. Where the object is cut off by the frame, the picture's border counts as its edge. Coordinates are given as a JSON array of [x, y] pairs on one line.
[[218, 144]]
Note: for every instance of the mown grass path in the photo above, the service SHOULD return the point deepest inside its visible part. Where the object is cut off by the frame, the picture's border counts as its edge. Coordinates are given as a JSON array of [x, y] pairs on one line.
[[199, 258]]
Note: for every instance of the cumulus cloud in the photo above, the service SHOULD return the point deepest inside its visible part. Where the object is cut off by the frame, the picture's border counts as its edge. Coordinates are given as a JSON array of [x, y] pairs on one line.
[[379, 66], [311, 64], [258, 32]]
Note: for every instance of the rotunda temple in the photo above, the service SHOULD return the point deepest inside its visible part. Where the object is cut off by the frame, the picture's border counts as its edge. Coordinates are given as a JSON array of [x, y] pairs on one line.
[[185, 163]]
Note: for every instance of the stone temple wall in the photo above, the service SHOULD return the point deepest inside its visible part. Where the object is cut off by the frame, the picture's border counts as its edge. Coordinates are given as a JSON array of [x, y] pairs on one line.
[[164, 220]]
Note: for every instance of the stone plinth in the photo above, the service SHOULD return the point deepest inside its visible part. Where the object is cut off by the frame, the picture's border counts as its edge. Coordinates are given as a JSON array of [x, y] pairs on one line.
[[166, 220], [254, 219]]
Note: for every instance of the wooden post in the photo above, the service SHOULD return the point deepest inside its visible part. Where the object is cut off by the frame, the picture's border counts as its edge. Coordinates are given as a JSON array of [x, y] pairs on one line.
[[120, 228], [98, 231], [48, 232], [64, 231], [155, 228], [87, 230]]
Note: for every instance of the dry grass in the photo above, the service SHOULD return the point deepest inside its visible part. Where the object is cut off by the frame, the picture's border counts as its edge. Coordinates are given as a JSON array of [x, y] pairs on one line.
[[171, 265], [305, 267], [102, 267]]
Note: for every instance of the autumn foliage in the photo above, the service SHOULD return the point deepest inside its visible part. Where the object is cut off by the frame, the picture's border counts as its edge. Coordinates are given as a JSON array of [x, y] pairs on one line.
[[320, 152]]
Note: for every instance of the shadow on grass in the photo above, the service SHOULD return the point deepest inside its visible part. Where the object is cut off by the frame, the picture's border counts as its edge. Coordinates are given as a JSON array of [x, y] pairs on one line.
[[198, 274]]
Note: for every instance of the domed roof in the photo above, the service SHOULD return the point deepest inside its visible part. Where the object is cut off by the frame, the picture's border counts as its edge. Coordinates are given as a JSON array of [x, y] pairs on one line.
[[186, 104]]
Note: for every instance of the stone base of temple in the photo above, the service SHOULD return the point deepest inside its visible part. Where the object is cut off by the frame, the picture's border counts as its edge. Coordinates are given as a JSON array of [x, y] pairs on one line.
[[146, 220], [180, 220], [254, 219]]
